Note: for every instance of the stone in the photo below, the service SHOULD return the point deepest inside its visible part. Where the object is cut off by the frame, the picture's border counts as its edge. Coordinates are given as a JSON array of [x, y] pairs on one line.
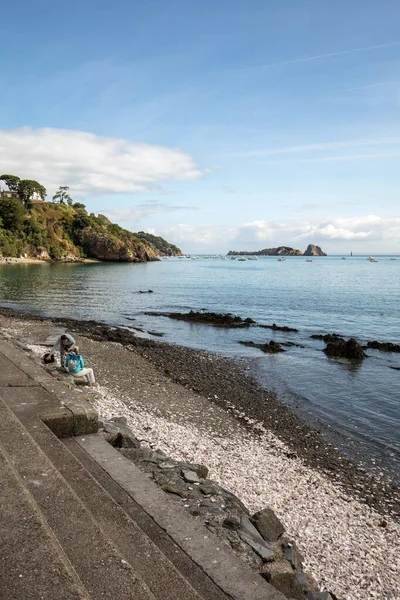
[[190, 476], [286, 583], [232, 522], [293, 555], [319, 596], [249, 534], [268, 524]]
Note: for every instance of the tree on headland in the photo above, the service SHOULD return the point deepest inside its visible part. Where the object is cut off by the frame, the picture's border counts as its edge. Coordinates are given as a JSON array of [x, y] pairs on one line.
[[29, 189], [11, 181], [26, 189], [12, 214], [62, 195]]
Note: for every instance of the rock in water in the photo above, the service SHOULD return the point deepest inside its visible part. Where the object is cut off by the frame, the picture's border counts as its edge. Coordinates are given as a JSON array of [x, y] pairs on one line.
[[314, 251], [341, 349]]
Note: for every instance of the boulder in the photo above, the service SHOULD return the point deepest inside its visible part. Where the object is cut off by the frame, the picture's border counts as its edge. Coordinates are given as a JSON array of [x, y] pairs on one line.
[[268, 524], [249, 534]]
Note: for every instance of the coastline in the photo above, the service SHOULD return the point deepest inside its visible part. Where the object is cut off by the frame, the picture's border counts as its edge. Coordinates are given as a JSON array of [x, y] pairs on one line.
[[9, 260], [203, 408]]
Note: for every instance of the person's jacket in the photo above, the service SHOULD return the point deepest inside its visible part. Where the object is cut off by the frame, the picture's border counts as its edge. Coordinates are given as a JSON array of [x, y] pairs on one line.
[[78, 360]]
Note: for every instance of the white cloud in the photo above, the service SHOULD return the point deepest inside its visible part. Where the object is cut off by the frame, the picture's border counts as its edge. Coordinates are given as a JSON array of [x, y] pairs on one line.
[[89, 163], [383, 232]]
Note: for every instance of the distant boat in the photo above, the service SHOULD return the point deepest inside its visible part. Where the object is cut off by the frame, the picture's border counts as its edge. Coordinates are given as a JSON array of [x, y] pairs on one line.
[[343, 258], [308, 259], [392, 259], [372, 259], [252, 258], [281, 258], [242, 258], [233, 257]]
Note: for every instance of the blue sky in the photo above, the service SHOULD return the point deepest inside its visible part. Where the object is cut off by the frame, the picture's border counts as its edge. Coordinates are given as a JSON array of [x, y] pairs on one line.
[[219, 125]]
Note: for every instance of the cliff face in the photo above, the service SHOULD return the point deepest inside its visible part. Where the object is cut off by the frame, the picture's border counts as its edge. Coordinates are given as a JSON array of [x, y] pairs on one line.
[[108, 247], [314, 251]]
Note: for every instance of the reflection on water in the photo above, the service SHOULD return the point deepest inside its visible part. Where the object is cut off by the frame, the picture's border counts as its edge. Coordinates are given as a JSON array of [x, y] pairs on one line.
[[353, 298]]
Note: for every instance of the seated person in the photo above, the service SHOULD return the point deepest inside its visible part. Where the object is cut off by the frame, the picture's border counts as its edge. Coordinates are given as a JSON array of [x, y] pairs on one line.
[[75, 366], [63, 344]]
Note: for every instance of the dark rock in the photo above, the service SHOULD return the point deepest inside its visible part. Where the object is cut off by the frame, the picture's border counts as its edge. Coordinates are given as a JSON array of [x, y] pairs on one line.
[[232, 522], [289, 344], [342, 349], [293, 555], [118, 434], [276, 327], [271, 347], [327, 337], [249, 534], [395, 368], [207, 318], [268, 524], [232, 501], [286, 583], [384, 346]]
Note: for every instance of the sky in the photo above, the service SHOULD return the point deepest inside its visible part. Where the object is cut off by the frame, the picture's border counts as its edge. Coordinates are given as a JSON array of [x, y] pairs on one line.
[[219, 125]]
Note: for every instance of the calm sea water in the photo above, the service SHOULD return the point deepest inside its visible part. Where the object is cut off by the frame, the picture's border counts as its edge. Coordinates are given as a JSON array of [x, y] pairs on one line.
[[357, 403]]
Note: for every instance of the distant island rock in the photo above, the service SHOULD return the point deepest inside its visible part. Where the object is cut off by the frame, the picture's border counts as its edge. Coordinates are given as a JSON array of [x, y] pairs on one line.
[[314, 251], [280, 251]]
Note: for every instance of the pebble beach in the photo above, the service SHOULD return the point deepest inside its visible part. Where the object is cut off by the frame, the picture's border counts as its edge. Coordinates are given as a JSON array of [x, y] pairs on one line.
[[200, 407]]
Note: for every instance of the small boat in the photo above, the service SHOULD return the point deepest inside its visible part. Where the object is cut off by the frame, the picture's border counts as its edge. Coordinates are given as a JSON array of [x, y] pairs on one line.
[[281, 258], [308, 259], [233, 257], [372, 259], [252, 258], [392, 259], [242, 258], [343, 258]]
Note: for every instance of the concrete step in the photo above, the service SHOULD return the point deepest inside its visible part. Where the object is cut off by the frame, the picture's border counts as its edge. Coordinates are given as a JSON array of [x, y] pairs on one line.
[[103, 571], [32, 563]]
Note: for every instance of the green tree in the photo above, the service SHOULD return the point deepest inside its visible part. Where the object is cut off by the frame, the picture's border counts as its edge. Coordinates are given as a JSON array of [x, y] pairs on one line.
[[79, 205], [12, 182], [62, 195], [27, 188], [12, 214]]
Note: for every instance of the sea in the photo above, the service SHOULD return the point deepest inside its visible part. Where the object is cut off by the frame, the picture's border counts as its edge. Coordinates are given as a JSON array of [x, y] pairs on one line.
[[356, 405]]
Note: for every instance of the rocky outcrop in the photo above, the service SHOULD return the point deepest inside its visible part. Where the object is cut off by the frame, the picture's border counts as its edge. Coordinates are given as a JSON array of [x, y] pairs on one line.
[[339, 348], [280, 251], [269, 347], [314, 251], [276, 327], [207, 318], [107, 247], [384, 346]]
